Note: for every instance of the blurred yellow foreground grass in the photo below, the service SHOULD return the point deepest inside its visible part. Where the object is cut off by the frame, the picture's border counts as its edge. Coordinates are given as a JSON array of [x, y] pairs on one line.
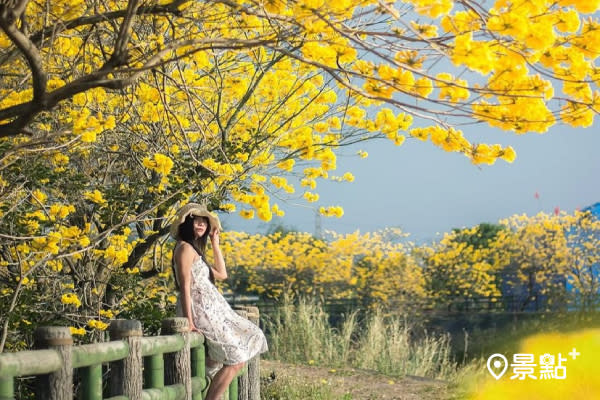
[[582, 374]]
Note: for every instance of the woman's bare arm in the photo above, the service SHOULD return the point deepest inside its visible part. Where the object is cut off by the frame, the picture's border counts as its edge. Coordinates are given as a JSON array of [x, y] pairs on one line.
[[219, 269], [184, 258]]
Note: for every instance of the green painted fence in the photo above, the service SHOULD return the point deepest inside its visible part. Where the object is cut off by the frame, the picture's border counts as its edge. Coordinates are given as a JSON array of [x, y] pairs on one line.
[[166, 367]]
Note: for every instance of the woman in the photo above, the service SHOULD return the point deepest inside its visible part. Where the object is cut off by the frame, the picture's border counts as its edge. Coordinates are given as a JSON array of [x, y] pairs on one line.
[[231, 339]]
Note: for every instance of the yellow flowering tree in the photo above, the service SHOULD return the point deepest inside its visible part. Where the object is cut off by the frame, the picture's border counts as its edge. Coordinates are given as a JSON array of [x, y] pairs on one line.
[[542, 261], [464, 265], [374, 268], [112, 113], [539, 256], [583, 264]]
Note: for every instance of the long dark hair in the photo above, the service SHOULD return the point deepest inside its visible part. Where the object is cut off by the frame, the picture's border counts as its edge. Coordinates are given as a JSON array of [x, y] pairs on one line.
[[186, 234]]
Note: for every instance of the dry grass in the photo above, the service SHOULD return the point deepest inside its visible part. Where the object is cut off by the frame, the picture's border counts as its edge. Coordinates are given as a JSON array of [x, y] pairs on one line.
[[302, 334]]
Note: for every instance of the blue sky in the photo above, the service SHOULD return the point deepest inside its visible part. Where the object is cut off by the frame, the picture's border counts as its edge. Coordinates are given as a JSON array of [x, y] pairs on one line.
[[424, 190]]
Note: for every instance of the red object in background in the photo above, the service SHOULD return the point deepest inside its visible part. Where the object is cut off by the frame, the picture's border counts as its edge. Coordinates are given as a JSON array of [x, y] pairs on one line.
[[556, 210], [536, 195]]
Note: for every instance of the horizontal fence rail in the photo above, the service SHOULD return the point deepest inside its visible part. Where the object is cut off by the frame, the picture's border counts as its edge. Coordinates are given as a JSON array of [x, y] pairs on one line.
[[166, 367], [508, 303]]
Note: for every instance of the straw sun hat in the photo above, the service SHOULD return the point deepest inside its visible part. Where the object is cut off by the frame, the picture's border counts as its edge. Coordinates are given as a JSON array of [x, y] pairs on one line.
[[196, 210]]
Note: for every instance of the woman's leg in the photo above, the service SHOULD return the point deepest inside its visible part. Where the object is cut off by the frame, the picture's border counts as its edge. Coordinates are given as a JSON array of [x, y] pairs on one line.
[[212, 367], [221, 380]]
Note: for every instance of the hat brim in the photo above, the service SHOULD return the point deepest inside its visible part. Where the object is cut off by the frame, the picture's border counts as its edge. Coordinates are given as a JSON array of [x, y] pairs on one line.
[[195, 210]]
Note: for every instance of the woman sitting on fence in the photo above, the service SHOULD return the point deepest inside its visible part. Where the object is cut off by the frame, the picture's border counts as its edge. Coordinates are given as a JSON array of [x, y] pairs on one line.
[[231, 339]]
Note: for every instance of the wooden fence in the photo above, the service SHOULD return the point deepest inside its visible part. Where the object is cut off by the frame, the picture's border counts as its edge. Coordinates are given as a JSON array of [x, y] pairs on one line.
[[169, 367]]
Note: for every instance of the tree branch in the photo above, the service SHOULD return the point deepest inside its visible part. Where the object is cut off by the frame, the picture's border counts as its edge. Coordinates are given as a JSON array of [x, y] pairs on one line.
[[140, 250], [119, 56], [30, 52], [12, 12], [27, 111]]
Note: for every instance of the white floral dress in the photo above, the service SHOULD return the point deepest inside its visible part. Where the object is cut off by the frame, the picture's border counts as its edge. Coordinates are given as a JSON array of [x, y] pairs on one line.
[[230, 338]]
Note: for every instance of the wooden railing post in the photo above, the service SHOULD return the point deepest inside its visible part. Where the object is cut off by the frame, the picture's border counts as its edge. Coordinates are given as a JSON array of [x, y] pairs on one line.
[[126, 375], [59, 384], [242, 379], [254, 363], [178, 365]]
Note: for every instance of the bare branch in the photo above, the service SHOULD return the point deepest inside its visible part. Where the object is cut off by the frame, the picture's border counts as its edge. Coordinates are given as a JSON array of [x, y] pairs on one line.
[[12, 12], [30, 52], [50, 31], [119, 56]]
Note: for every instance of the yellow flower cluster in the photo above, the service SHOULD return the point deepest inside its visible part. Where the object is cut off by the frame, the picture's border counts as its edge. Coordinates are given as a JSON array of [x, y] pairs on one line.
[[332, 211], [95, 197], [77, 331], [432, 8], [390, 125], [159, 163], [39, 196], [482, 153], [282, 183], [96, 324], [247, 214], [287, 165], [50, 243], [162, 164], [277, 211], [60, 161], [224, 172], [89, 126], [25, 281], [461, 22], [107, 314], [452, 89], [229, 207], [311, 197], [466, 270], [70, 298], [476, 55], [118, 249]]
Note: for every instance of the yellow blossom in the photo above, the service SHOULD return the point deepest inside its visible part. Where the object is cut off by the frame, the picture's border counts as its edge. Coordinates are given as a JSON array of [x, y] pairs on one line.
[[311, 197], [40, 196], [107, 314], [95, 196], [77, 331], [70, 298], [96, 324], [247, 214]]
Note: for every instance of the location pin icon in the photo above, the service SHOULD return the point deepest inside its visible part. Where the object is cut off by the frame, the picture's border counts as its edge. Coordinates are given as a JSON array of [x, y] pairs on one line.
[[494, 362]]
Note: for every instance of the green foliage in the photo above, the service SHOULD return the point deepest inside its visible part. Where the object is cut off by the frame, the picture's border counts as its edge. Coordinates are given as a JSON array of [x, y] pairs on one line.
[[484, 234], [281, 228]]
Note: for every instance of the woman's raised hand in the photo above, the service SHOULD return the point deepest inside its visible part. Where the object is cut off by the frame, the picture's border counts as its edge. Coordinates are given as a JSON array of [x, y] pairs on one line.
[[214, 236]]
